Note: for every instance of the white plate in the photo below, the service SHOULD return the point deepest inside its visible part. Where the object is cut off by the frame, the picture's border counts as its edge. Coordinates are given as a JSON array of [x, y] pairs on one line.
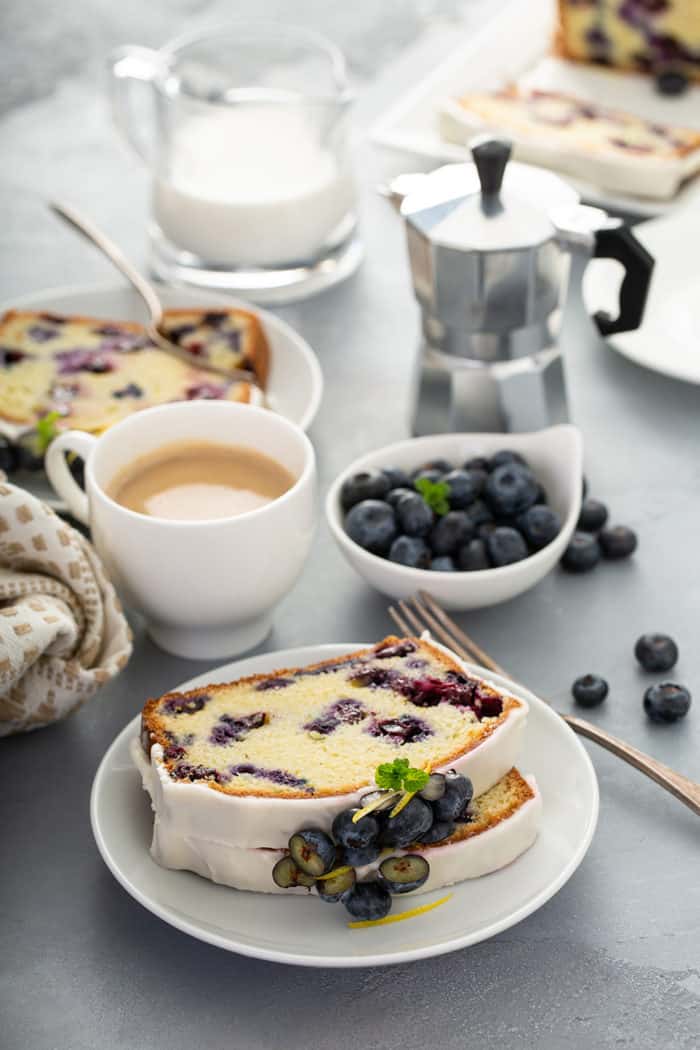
[[306, 932], [669, 338], [295, 383], [511, 47]]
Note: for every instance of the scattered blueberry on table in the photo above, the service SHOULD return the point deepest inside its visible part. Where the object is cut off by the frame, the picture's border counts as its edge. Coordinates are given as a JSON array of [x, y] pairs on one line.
[[666, 702], [589, 690], [448, 517], [656, 652], [593, 541]]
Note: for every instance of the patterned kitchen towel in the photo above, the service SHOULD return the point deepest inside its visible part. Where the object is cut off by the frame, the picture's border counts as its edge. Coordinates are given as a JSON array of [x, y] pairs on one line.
[[62, 630]]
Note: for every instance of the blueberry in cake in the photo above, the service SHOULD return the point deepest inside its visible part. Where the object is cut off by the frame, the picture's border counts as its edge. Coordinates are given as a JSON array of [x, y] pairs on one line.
[[94, 372], [647, 35]]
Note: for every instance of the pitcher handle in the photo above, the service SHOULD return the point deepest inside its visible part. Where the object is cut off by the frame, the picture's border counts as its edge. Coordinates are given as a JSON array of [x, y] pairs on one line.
[[131, 66], [621, 244], [59, 475]]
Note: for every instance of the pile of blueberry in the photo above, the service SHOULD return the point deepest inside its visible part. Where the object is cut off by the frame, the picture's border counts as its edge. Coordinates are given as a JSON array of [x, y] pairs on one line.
[[594, 539], [329, 862], [482, 515], [664, 702]]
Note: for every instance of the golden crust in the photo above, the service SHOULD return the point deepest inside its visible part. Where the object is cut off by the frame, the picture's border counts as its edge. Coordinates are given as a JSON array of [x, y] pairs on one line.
[[152, 730], [487, 815], [259, 351]]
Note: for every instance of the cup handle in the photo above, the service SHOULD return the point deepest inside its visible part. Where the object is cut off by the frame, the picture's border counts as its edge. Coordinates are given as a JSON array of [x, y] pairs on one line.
[[60, 476], [130, 66]]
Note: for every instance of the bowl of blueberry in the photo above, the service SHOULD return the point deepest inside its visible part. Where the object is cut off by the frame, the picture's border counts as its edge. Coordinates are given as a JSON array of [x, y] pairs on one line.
[[474, 519]]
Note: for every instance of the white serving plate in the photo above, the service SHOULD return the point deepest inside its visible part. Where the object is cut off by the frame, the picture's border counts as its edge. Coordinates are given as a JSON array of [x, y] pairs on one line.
[[668, 340], [304, 931], [513, 46], [295, 383]]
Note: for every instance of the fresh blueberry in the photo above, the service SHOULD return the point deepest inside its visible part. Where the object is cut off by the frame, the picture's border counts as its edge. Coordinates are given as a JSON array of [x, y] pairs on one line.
[[461, 487], [408, 825], [372, 524], [478, 478], [398, 478], [505, 546], [671, 82], [485, 529], [479, 513], [656, 652], [411, 551], [441, 830], [404, 874], [473, 557], [458, 794], [354, 836], [582, 554], [414, 516], [443, 564], [442, 466], [9, 458], [368, 484], [435, 788], [593, 516], [357, 858], [478, 463], [666, 702], [506, 455], [539, 525], [589, 690], [337, 887], [285, 874], [393, 497], [368, 900], [618, 542], [312, 851], [510, 489], [451, 531]]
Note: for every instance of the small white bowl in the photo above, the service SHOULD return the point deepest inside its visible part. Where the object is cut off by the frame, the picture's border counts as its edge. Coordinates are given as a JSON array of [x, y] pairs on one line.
[[556, 457]]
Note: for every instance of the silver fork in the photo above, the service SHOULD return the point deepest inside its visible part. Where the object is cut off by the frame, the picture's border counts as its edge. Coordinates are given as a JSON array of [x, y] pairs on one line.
[[422, 613]]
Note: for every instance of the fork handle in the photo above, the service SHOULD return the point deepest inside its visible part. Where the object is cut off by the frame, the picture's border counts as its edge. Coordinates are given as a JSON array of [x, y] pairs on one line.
[[684, 789]]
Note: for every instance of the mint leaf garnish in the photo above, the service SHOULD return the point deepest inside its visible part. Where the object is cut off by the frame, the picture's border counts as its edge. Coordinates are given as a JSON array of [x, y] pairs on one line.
[[435, 494], [46, 430], [399, 775], [415, 780]]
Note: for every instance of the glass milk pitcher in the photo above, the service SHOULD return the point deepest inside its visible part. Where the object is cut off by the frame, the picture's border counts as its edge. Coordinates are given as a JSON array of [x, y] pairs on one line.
[[246, 138]]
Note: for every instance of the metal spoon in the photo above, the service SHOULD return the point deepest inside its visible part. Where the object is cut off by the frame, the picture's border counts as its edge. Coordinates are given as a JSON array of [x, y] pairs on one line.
[[146, 291]]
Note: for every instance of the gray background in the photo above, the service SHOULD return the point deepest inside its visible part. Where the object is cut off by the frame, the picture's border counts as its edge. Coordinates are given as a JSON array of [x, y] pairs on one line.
[[614, 959]]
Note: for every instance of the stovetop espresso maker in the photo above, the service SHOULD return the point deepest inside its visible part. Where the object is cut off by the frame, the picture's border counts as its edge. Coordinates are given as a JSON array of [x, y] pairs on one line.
[[489, 245]]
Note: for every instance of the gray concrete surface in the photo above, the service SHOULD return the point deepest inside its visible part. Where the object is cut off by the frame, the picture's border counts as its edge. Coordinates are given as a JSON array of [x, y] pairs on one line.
[[614, 959]]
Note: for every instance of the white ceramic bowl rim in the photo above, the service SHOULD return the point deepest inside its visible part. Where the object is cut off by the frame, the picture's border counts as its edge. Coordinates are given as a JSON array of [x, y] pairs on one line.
[[217, 406], [422, 576]]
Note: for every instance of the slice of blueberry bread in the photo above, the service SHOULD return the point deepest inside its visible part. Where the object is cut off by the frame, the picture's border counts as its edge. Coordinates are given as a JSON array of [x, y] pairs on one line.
[[95, 372], [322, 730], [572, 125], [646, 35]]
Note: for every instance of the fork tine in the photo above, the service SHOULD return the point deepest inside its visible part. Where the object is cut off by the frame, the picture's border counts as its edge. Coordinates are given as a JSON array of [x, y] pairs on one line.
[[400, 623], [437, 629], [468, 643], [417, 626]]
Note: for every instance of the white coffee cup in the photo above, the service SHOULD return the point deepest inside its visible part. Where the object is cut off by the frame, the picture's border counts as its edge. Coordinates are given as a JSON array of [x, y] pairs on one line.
[[206, 588]]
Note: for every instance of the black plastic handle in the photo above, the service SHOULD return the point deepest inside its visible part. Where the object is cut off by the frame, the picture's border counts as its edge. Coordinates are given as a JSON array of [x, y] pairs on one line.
[[490, 155], [621, 244]]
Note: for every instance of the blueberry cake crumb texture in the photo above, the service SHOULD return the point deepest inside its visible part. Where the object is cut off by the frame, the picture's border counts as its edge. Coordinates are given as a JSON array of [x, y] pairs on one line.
[[323, 729]]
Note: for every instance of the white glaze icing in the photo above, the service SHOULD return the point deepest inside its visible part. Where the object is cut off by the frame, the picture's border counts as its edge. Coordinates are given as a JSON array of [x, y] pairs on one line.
[[251, 869]]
